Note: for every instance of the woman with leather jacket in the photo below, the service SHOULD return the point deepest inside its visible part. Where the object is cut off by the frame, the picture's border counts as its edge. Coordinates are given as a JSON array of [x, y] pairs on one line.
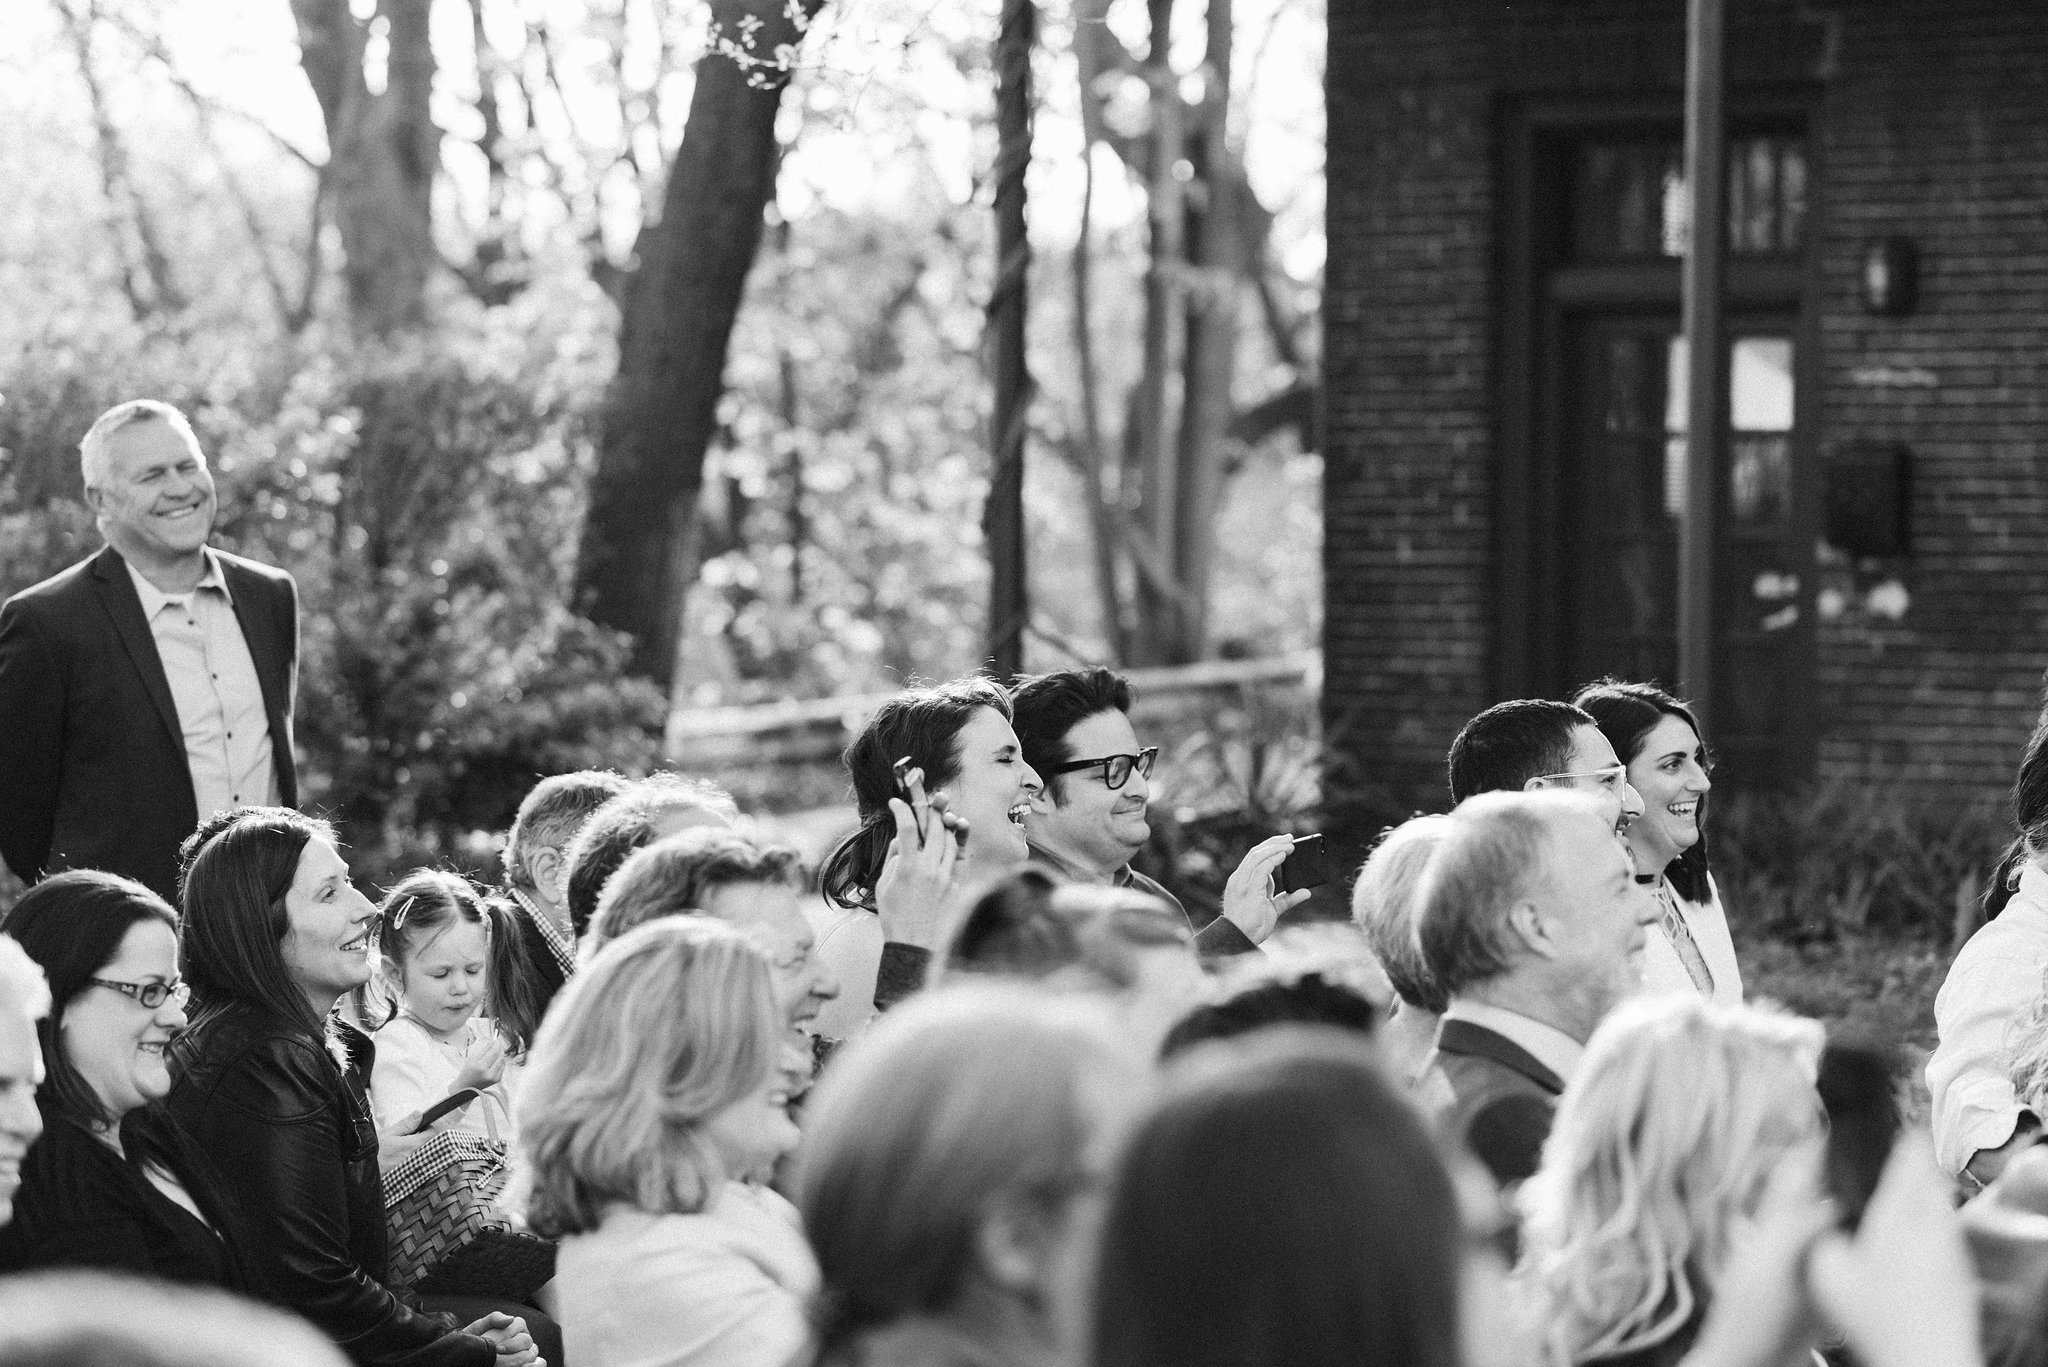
[[269, 1081]]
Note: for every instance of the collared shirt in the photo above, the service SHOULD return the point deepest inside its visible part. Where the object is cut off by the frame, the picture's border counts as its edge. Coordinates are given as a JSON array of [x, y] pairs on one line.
[[1996, 977], [1547, 1044], [558, 944], [214, 685]]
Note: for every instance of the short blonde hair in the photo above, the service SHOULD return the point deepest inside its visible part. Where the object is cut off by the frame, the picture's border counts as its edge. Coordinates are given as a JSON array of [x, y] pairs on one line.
[[666, 1026], [1678, 1113], [961, 1096], [92, 448]]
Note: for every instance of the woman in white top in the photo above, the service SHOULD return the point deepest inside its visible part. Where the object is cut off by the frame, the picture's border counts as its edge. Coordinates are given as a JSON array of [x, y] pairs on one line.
[[1659, 739], [652, 1110], [443, 952]]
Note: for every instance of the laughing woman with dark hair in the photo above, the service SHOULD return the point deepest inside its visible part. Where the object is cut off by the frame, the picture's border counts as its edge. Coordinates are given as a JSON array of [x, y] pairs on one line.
[[1659, 739], [270, 1081], [911, 857], [114, 1182]]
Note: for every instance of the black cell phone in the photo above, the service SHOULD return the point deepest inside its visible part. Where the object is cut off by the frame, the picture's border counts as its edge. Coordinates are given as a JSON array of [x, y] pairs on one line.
[[1859, 1091], [1306, 865], [454, 1101]]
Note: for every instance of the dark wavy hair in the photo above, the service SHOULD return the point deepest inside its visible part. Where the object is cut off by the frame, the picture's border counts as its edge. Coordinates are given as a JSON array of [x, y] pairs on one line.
[[231, 945], [1626, 713], [1282, 1203], [923, 723], [72, 924], [2030, 814]]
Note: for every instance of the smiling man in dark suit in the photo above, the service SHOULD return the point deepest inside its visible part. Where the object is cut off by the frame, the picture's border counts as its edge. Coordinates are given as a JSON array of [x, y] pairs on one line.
[[1531, 920], [151, 685]]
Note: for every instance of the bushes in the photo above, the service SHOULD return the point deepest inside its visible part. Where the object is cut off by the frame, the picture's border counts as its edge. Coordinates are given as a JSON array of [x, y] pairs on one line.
[[427, 499], [1849, 858]]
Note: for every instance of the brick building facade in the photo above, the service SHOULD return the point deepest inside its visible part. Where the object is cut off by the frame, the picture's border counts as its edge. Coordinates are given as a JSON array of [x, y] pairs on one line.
[[1501, 298]]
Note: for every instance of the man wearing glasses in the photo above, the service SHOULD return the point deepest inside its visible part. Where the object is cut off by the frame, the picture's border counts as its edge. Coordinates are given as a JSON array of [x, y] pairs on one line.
[[1532, 743], [1075, 727]]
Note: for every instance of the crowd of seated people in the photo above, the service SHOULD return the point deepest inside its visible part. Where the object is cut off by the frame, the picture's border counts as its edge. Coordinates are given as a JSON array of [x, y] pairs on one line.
[[978, 1091]]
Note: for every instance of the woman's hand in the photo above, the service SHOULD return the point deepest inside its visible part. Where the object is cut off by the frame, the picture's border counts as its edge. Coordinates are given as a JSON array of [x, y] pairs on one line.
[[1902, 1290], [483, 1062], [1249, 901], [508, 1335], [917, 873], [1761, 1316], [395, 1147]]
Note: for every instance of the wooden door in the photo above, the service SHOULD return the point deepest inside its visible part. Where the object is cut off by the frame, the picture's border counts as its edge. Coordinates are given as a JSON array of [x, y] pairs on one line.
[[1623, 492]]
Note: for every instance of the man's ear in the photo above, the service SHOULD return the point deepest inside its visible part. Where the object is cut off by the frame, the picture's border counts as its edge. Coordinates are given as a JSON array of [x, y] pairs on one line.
[[1013, 1244], [1533, 928], [1534, 785], [544, 866]]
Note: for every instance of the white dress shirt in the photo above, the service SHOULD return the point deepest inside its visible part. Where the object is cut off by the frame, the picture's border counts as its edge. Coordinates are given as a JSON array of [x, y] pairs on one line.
[[729, 1286], [214, 685], [1993, 981]]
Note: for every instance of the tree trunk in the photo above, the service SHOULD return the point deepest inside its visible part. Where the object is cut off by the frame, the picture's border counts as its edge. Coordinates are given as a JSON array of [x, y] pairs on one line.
[[636, 558], [1215, 249], [1009, 608], [1159, 635], [383, 153]]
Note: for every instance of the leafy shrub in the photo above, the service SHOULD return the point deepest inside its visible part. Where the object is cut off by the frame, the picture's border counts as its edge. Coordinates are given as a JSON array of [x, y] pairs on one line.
[[427, 498], [1844, 857], [1246, 772]]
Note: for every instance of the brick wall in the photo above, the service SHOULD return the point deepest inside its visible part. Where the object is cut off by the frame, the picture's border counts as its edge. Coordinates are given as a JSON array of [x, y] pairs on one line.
[[1932, 123]]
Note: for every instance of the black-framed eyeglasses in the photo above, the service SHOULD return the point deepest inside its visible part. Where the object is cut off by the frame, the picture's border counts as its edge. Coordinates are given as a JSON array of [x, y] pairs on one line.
[[1116, 769], [151, 994]]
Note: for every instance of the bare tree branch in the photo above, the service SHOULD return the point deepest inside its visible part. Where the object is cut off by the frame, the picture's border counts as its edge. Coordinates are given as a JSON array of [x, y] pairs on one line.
[[162, 294]]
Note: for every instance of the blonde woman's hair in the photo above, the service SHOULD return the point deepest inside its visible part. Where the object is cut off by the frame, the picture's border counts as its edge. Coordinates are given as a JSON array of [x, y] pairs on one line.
[[665, 1027], [2026, 1051], [964, 1095], [1678, 1112]]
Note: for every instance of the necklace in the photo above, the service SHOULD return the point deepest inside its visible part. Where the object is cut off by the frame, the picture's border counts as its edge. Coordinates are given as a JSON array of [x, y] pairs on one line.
[[1680, 934]]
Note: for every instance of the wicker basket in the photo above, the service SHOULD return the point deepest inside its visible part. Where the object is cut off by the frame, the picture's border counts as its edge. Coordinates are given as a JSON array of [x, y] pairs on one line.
[[447, 1235]]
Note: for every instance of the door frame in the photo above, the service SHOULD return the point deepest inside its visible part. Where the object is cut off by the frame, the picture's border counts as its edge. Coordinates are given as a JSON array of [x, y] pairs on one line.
[[1539, 291]]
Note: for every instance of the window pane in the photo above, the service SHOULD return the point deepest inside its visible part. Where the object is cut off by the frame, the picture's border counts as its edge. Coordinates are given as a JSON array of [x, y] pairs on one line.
[[1629, 201], [1760, 385], [1759, 420]]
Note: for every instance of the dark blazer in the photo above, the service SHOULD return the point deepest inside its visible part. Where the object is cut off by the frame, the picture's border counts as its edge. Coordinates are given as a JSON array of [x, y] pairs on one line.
[[83, 1205], [92, 755], [291, 1132], [1503, 1099]]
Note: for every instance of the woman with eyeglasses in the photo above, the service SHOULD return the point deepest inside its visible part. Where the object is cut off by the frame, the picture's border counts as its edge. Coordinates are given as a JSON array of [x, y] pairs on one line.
[[114, 1182], [1659, 739], [270, 1079]]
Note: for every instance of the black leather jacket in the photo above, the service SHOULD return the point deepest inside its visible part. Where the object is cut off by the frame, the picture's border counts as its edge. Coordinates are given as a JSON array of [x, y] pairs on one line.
[[291, 1133]]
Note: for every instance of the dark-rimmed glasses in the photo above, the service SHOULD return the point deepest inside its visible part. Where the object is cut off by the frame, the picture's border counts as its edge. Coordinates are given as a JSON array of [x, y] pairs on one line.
[[1116, 769], [151, 995]]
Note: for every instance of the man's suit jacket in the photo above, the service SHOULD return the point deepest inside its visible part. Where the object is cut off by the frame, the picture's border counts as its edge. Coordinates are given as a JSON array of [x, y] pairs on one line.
[[1503, 1099], [92, 755]]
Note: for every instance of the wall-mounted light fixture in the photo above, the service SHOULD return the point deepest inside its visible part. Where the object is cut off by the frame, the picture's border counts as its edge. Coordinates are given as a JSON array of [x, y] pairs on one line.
[[1891, 277]]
